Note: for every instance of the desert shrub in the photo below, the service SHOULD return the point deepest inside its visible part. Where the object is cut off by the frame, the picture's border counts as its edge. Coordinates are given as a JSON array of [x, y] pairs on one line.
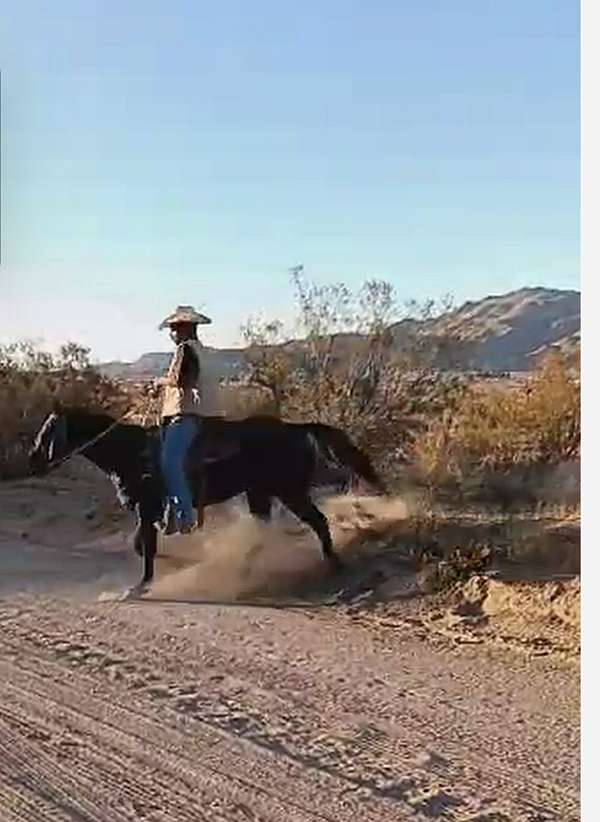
[[31, 380], [341, 365], [238, 400], [384, 416], [493, 431]]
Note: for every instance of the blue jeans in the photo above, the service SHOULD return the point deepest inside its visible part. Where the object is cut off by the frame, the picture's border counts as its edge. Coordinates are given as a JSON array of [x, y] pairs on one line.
[[177, 438]]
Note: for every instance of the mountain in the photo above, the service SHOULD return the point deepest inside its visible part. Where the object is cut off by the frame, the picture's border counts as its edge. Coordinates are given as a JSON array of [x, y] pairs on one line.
[[230, 361], [508, 332]]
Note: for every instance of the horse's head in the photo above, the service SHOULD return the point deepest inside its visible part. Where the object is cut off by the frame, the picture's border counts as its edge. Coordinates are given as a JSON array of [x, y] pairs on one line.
[[50, 444]]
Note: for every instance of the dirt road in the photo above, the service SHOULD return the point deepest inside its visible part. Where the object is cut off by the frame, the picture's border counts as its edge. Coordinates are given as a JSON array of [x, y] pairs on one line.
[[161, 711]]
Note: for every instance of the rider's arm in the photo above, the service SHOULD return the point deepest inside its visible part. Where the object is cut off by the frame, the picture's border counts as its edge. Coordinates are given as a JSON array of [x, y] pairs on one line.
[[183, 371], [189, 370], [173, 375]]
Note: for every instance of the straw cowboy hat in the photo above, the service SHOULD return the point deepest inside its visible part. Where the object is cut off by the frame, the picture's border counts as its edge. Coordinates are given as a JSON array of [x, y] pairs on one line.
[[185, 314]]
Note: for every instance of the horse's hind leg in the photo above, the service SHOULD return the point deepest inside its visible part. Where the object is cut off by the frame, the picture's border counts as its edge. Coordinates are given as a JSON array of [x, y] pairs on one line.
[[138, 541], [169, 519], [260, 505], [305, 509], [200, 518], [200, 500]]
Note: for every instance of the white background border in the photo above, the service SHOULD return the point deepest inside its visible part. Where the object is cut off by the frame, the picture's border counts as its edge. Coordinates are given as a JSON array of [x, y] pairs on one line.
[[590, 371]]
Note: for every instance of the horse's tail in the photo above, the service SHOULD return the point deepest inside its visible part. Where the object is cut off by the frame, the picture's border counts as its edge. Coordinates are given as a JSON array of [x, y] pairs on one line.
[[335, 444]]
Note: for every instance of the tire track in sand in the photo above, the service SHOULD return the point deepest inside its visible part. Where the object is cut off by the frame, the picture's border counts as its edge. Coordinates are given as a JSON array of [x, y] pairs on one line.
[[58, 741], [344, 776]]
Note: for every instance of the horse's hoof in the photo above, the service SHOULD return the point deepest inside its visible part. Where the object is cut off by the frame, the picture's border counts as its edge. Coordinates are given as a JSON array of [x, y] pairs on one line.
[[138, 590]]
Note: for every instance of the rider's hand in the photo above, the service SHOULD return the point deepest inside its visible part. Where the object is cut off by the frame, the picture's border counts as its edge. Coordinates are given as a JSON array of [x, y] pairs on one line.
[[153, 388]]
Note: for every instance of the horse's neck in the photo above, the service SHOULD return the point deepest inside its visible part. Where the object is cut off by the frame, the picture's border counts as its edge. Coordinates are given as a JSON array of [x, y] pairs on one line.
[[84, 428], [121, 458], [113, 453]]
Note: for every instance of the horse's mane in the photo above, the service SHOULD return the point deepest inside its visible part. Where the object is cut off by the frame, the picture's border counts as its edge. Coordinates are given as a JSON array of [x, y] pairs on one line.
[[85, 413], [85, 425], [80, 414]]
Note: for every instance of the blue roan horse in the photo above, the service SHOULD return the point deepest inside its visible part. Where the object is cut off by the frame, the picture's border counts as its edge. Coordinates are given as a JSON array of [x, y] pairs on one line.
[[259, 456]]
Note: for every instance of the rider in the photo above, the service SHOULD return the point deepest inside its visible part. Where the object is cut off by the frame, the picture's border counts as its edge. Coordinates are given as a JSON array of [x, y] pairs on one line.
[[189, 393]]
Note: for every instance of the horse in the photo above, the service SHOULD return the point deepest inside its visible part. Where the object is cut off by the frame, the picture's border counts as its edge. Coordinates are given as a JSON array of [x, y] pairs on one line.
[[263, 457]]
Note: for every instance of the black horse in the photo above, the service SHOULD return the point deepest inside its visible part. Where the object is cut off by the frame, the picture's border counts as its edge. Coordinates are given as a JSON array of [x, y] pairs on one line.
[[262, 457]]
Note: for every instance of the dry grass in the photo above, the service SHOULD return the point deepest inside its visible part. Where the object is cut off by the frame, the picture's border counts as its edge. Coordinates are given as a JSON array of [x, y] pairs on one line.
[[31, 381], [499, 433]]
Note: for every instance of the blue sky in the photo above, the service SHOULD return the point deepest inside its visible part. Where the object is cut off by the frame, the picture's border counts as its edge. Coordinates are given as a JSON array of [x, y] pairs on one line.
[[156, 153]]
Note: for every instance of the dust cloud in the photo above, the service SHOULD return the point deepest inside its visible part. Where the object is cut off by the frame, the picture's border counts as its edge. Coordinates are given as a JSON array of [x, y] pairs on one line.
[[236, 557]]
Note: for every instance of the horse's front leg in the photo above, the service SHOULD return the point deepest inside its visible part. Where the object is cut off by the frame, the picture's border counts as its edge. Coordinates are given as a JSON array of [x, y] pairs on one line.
[[145, 542], [149, 537]]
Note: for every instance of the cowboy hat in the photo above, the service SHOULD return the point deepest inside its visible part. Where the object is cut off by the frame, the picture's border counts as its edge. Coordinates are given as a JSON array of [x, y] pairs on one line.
[[185, 314]]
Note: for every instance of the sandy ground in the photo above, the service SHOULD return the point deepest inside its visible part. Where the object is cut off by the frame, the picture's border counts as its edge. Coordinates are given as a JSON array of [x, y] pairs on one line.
[[250, 684]]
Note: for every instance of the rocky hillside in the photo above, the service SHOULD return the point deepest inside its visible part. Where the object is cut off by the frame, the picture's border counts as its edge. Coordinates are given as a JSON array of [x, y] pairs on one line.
[[511, 331], [499, 333]]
